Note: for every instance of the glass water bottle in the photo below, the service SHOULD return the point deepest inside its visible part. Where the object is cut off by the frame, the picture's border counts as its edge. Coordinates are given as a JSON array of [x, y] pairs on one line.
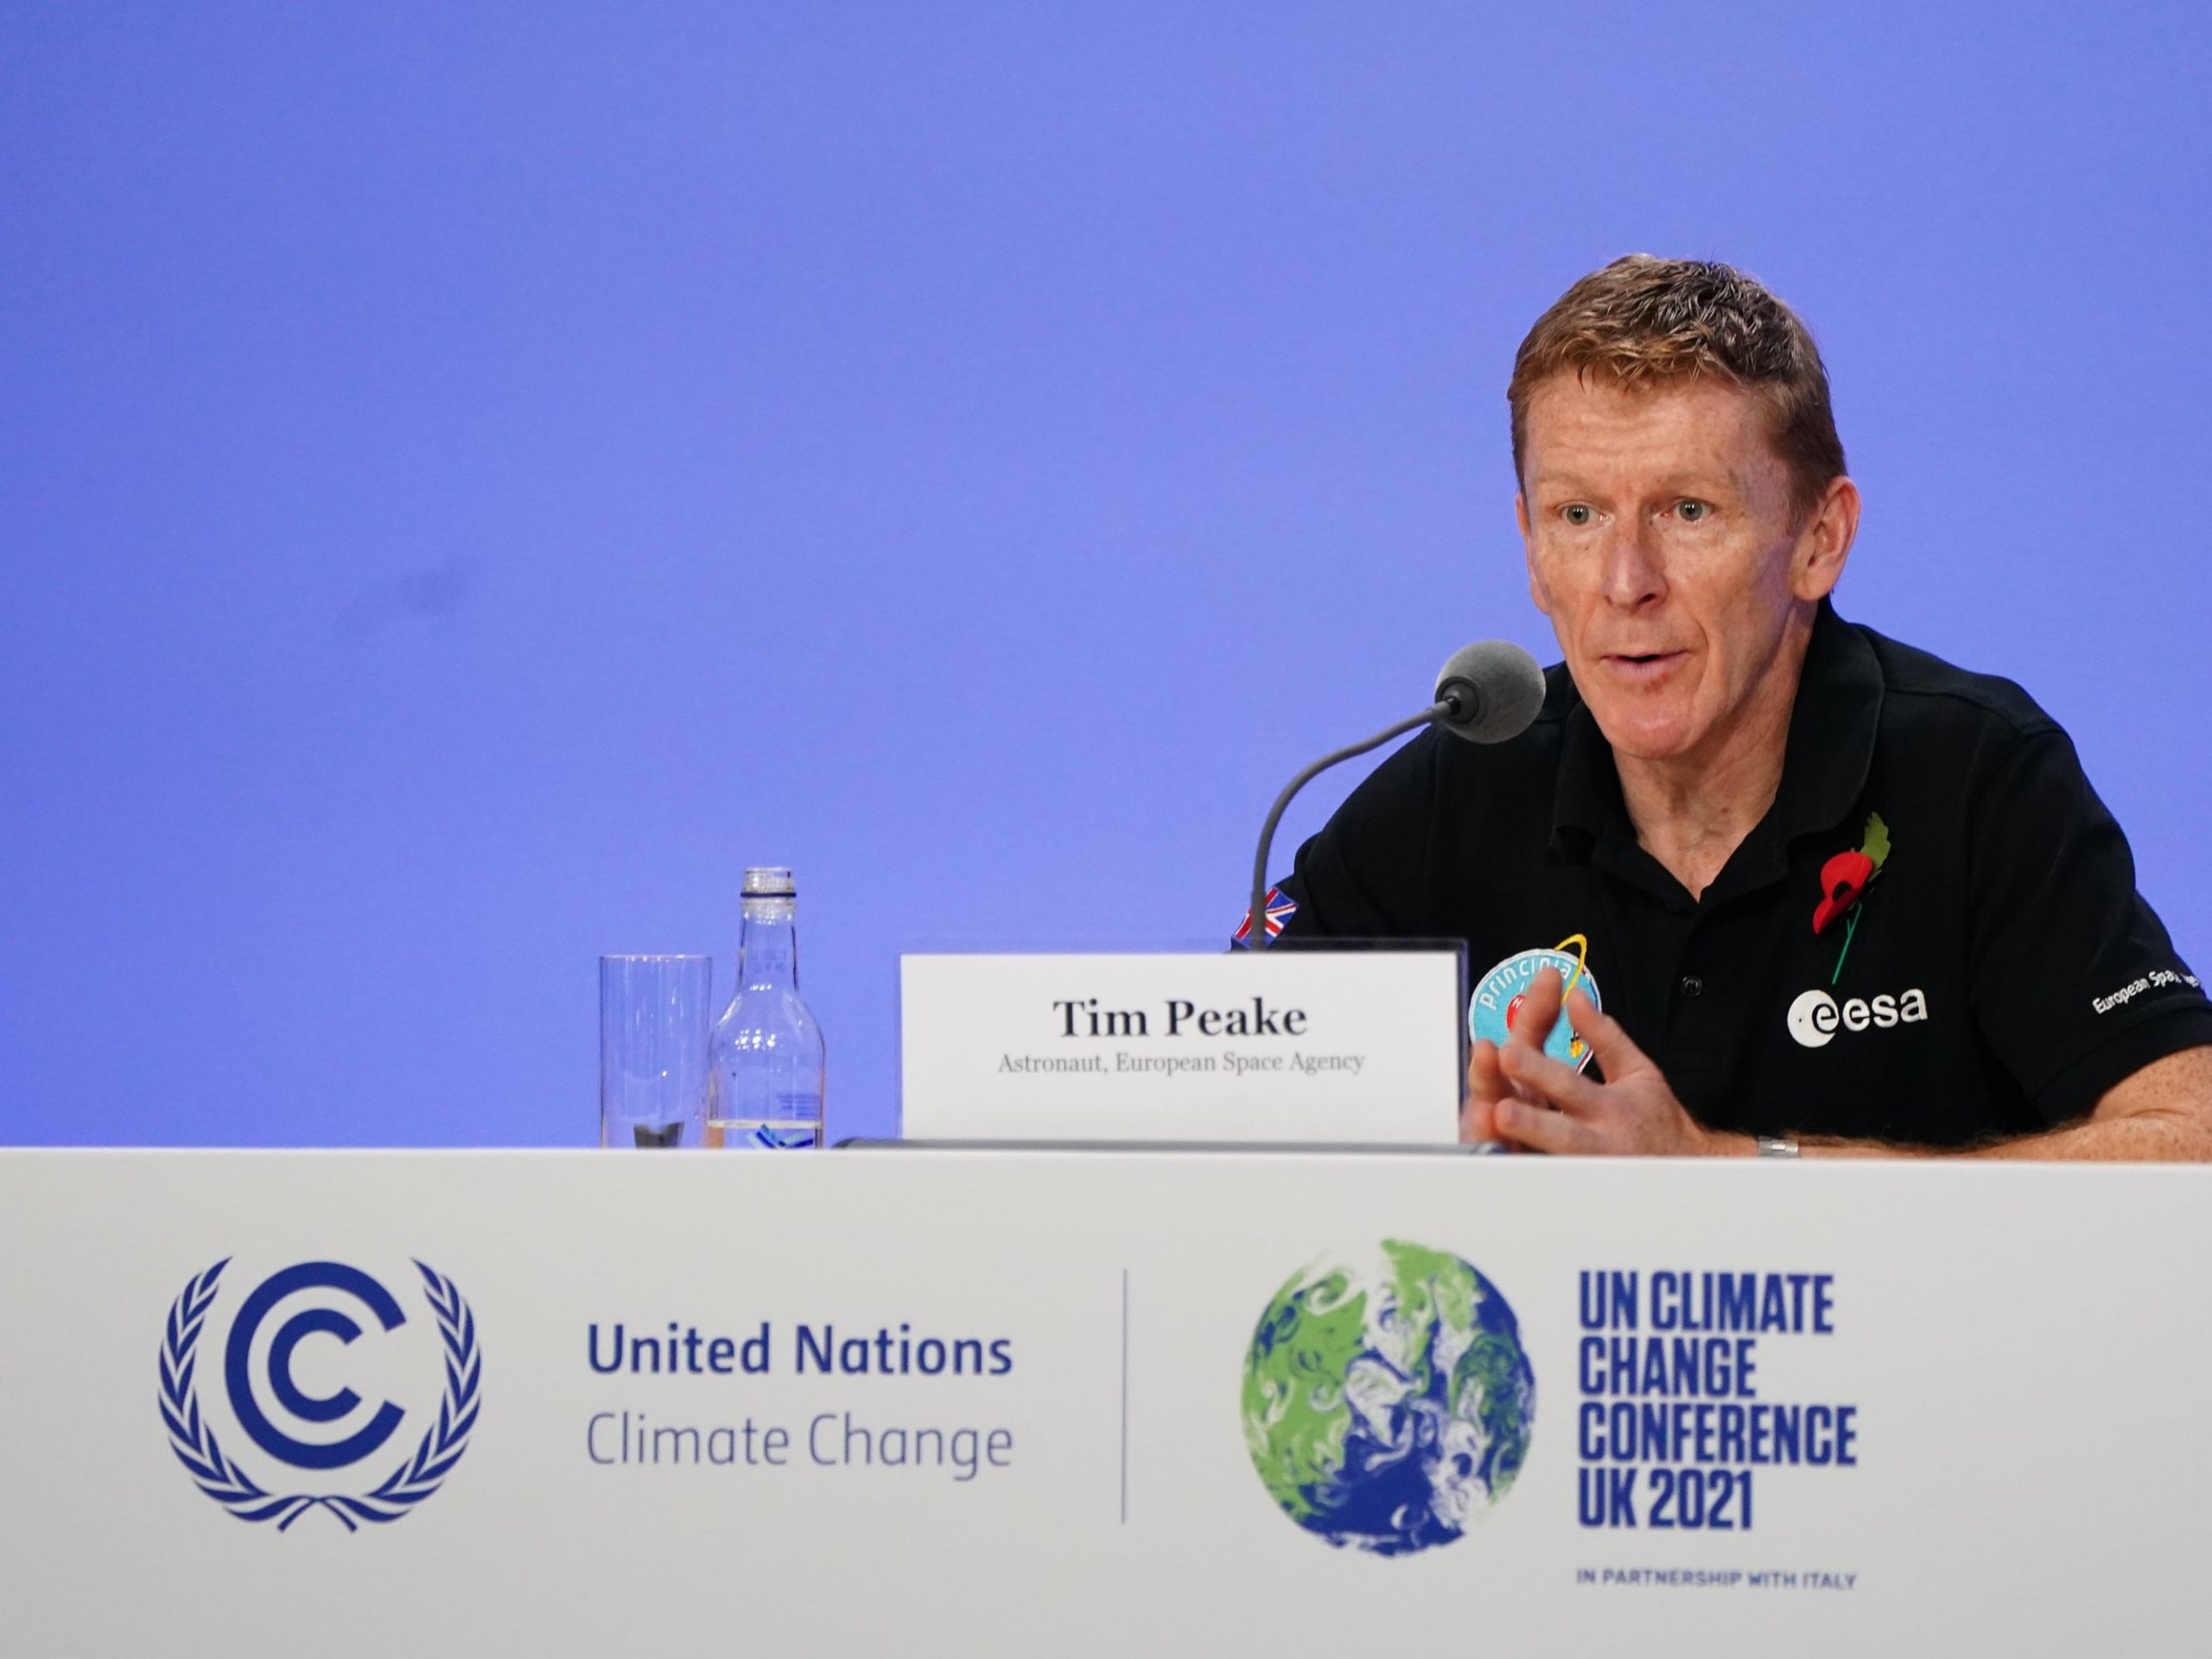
[[764, 1080]]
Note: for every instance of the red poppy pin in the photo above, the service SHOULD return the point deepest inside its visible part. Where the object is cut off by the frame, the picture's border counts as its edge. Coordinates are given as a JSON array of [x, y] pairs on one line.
[[1845, 878]]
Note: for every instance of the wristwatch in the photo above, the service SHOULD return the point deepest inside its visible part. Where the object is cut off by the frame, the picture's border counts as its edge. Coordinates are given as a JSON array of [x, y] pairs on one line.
[[1777, 1145]]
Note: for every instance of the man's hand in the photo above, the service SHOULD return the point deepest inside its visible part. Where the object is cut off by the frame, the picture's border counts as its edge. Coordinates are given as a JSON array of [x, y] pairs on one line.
[[1518, 1093]]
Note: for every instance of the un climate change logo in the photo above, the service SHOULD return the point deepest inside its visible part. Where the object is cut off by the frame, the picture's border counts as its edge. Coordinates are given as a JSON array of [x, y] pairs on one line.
[[1388, 1402], [249, 1363]]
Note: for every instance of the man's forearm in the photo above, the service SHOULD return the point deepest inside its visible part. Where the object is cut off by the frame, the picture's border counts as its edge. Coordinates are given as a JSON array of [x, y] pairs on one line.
[[2161, 1115], [2139, 1138], [2136, 1137]]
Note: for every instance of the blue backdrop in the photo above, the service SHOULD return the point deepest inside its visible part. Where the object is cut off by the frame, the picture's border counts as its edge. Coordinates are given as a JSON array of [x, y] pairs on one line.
[[471, 477]]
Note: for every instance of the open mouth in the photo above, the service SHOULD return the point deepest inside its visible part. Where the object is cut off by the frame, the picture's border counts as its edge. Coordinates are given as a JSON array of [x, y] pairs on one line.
[[1641, 666]]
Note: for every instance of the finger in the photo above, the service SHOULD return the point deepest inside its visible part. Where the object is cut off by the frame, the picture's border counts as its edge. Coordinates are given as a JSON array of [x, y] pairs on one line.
[[1485, 1087], [1538, 1129], [1478, 1123], [1484, 1081], [1539, 1010], [1532, 1071], [1616, 1051]]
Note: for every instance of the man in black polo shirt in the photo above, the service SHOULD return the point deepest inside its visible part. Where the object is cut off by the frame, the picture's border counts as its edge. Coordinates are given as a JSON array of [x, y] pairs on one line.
[[1829, 891]]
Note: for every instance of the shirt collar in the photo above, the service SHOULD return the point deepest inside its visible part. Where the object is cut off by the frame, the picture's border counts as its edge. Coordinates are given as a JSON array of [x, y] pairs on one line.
[[1824, 765]]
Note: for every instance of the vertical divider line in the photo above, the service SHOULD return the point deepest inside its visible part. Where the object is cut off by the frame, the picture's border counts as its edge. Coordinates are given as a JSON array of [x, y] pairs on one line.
[[1125, 1397]]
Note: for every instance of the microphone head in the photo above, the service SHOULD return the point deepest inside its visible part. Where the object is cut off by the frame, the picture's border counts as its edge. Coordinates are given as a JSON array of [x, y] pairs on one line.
[[1495, 689]]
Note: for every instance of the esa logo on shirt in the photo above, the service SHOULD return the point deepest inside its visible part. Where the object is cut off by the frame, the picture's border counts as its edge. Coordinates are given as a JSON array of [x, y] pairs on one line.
[[1816, 1017]]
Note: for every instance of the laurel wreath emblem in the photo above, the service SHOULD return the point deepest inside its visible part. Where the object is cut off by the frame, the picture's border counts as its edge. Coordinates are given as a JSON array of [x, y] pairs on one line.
[[193, 1437]]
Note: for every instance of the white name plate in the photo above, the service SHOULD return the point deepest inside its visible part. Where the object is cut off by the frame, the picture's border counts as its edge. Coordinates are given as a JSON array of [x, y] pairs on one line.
[[1293, 1046]]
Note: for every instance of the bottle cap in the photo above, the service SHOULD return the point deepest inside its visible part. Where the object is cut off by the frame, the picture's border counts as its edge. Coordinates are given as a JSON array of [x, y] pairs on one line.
[[768, 882]]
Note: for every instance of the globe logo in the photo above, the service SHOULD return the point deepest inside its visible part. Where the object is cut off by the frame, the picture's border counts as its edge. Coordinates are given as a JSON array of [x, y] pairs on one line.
[[1388, 1402]]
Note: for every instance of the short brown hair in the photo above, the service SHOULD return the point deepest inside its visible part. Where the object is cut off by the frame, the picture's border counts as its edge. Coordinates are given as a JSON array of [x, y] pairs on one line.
[[1646, 321]]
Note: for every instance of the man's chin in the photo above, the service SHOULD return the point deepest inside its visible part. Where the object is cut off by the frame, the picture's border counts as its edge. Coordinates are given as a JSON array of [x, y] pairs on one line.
[[1645, 735]]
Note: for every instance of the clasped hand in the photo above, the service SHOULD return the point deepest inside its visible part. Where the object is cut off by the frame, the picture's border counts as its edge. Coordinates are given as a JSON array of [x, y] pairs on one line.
[[1521, 1095]]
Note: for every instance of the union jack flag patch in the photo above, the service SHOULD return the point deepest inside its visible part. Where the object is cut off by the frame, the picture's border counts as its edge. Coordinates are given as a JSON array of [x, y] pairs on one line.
[[1280, 910]]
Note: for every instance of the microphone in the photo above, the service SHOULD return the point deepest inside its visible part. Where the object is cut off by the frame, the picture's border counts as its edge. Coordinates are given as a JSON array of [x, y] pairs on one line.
[[1492, 688], [1485, 693]]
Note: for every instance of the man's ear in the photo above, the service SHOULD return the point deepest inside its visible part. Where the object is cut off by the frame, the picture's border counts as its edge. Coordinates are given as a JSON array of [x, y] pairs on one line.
[[1824, 545]]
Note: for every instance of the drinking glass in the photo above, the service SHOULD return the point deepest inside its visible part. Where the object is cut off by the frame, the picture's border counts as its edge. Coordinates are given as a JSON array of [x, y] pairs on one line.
[[653, 1013]]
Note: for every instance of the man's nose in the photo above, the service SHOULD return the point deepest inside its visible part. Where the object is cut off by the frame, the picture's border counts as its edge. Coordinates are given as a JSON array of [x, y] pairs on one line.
[[1633, 576]]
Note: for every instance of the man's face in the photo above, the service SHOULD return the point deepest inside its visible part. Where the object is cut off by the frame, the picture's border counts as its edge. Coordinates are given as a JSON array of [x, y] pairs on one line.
[[1660, 545]]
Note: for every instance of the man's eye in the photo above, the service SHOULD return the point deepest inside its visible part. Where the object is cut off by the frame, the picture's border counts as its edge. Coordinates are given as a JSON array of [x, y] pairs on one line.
[[1691, 512], [1576, 514]]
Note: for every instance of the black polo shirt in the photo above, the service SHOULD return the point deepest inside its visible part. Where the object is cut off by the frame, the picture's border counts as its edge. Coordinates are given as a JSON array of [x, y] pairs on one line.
[[1994, 978]]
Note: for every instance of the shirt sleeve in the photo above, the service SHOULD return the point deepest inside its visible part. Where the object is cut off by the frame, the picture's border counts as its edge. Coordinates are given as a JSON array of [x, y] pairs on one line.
[[1363, 876], [2075, 983]]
